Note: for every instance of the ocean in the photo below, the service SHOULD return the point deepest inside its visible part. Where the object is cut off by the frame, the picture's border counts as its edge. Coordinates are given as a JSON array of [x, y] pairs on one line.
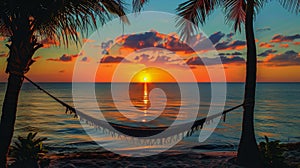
[[276, 113]]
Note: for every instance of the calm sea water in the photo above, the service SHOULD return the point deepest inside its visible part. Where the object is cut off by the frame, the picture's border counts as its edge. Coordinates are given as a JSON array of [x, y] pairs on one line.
[[276, 115]]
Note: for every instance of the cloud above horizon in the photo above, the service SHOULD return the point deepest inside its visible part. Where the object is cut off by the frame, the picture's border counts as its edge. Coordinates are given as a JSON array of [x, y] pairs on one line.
[[232, 54], [113, 59], [284, 45], [216, 37], [231, 45], [267, 53], [214, 61], [287, 58], [154, 39], [172, 42], [265, 45], [263, 29], [278, 38], [65, 58]]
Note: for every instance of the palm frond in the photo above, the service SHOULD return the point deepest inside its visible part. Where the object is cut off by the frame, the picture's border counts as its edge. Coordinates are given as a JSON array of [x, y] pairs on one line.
[[193, 12], [137, 5], [59, 19], [196, 11], [258, 5], [235, 11], [291, 5]]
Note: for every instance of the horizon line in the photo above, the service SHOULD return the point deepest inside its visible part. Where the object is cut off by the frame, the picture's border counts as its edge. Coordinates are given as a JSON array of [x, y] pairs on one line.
[[288, 82]]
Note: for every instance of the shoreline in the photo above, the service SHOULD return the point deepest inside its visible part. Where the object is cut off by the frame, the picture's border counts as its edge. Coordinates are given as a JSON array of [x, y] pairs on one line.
[[165, 159], [171, 158]]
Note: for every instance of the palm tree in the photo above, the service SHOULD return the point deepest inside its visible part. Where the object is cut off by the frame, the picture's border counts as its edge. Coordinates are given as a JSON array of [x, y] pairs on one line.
[[25, 23], [240, 12]]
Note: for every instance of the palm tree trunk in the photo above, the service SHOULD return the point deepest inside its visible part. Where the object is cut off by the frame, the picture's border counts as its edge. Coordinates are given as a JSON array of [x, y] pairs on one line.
[[248, 154], [22, 47], [9, 115]]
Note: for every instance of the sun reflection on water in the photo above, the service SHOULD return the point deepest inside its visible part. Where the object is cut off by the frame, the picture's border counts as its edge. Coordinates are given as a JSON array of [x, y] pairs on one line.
[[145, 100]]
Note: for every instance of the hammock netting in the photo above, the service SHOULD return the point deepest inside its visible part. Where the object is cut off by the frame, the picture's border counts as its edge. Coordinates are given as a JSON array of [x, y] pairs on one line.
[[139, 134]]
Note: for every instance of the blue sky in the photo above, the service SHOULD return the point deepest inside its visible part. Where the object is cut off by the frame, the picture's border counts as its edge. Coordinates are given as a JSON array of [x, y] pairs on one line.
[[271, 21]]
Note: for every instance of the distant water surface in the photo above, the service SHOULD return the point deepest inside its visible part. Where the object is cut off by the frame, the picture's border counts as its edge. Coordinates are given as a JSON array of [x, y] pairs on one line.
[[276, 114]]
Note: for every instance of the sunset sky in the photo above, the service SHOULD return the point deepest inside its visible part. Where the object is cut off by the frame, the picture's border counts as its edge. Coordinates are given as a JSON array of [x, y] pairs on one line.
[[113, 57]]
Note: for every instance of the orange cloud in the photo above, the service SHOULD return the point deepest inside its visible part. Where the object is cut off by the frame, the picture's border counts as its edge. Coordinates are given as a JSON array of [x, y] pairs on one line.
[[265, 45], [287, 58], [86, 40], [278, 38], [284, 45], [37, 58], [297, 43]]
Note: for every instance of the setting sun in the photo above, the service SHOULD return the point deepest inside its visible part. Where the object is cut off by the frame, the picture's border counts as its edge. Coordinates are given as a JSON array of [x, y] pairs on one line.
[[152, 75], [146, 79]]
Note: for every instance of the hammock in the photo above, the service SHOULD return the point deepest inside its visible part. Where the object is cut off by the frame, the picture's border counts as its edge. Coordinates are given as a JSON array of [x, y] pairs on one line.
[[180, 130]]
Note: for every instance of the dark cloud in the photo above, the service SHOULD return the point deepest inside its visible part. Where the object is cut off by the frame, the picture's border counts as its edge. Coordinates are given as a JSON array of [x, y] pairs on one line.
[[147, 39], [195, 61], [267, 52], [147, 59], [285, 59], [227, 45], [172, 43], [281, 38], [105, 46], [230, 35], [216, 37], [113, 59], [155, 39], [234, 53], [204, 44], [162, 59], [263, 29], [61, 71], [214, 61], [85, 59], [234, 59], [144, 58], [65, 58]]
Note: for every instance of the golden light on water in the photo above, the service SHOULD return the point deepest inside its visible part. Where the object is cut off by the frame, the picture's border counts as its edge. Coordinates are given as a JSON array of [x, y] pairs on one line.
[[145, 100], [144, 80]]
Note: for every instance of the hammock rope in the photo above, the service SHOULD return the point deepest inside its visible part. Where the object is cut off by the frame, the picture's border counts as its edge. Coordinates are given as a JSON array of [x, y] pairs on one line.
[[179, 130]]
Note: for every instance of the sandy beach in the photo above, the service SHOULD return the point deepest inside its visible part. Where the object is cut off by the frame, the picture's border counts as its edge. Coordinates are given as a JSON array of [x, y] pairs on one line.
[[167, 159]]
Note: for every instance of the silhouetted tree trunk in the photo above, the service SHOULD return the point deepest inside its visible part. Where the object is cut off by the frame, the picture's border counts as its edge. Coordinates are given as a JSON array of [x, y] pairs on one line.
[[23, 46], [9, 115], [248, 154]]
